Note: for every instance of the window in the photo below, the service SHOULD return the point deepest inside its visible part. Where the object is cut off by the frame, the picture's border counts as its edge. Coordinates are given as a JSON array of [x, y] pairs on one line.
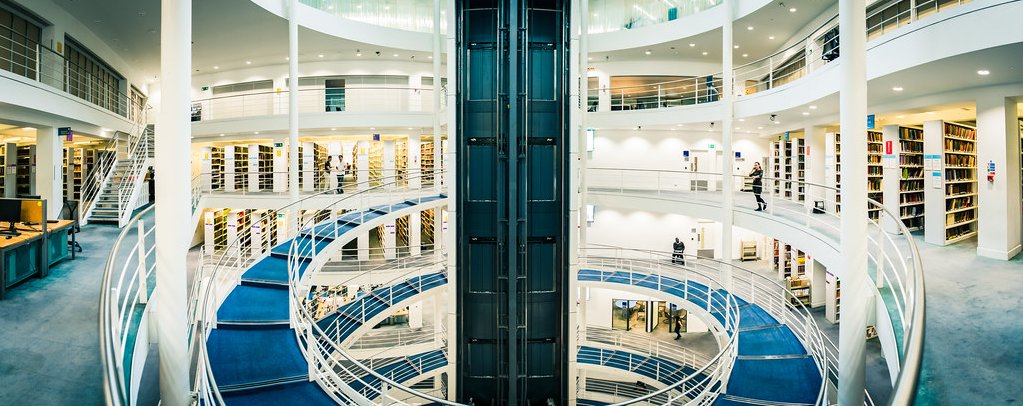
[[19, 44], [91, 79]]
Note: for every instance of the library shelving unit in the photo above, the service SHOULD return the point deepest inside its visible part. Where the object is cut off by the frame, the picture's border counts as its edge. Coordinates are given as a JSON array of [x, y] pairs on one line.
[[1021, 154], [748, 250], [319, 156], [3, 170], [26, 184], [833, 167], [875, 172], [799, 288], [904, 182], [401, 231], [215, 226], [787, 158], [376, 163], [260, 167], [426, 164], [782, 259], [427, 221], [213, 168], [241, 167], [401, 162], [353, 173], [951, 207], [799, 168], [833, 299]]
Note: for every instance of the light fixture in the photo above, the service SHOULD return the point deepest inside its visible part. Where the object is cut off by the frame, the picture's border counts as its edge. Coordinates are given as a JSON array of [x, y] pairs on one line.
[[792, 10], [31, 128], [333, 129], [749, 28], [248, 62], [221, 135], [692, 44], [771, 37], [704, 53], [742, 119], [983, 72], [806, 113], [774, 117], [735, 46], [897, 88], [589, 59], [647, 52], [745, 55], [358, 52], [777, 122], [900, 116], [930, 112], [287, 58], [257, 133], [813, 107], [216, 67], [738, 128], [395, 55], [319, 56], [372, 128], [760, 128]]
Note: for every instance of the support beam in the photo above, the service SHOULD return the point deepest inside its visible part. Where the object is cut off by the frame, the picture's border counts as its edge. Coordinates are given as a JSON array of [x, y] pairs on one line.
[[293, 101], [50, 169], [727, 129], [853, 116], [173, 194]]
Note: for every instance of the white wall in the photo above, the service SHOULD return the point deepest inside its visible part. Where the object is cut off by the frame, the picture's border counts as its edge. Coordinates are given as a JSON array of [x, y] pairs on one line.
[[656, 231], [599, 307], [656, 149]]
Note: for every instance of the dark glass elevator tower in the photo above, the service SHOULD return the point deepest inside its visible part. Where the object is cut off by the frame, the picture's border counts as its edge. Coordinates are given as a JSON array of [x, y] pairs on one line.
[[512, 201]]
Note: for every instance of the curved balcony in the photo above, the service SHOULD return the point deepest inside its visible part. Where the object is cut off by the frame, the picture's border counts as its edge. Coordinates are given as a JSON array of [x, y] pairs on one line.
[[805, 71]]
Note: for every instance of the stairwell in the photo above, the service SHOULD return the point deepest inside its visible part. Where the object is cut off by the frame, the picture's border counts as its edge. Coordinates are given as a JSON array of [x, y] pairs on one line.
[[120, 192]]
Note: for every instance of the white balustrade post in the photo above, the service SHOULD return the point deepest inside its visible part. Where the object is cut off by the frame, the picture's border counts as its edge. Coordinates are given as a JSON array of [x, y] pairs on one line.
[[141, 268]]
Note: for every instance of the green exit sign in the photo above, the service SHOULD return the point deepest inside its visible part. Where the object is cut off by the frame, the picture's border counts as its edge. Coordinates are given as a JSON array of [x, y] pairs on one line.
[[711, 146], [205, 88]]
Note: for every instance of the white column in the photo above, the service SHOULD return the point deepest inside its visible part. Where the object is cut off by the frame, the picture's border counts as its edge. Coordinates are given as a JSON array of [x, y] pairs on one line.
[[853, 116], [174, 193], [389, 164], [728, 156], [452, 311], [584, 154], [415, 233], [414, 165], [576, 147], [362, 243], [389, 240], [293, 100], [50, 169], [437, 44], [604, 93], [998, 139], [415, 315]]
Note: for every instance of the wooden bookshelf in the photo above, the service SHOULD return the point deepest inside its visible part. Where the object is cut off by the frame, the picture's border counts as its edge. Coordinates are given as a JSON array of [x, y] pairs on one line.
[[782, 259], [401, 231], [875, 173], [376, 163], [401, 162], [427, 219], [354, 168], [950, 182], [911, 177], [799, 288], [426, 163], [26, 183], [799, 169]]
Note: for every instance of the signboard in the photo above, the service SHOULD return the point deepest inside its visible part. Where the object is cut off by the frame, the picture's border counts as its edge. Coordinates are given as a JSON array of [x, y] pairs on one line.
[[870, 122], [888, 147], [278, 145], [376, 137], [66, 133]]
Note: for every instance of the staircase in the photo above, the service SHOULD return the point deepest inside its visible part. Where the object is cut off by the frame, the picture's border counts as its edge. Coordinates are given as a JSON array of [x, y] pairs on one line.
[[121, 190]]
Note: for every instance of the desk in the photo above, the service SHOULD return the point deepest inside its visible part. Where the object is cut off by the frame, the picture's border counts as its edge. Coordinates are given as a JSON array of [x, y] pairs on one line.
[[32, 252]]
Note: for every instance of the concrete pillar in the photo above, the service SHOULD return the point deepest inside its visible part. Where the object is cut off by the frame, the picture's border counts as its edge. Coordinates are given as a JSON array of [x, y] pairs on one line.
[[389, 165], [728, 154], [362, 243], [853, 118], [576, 147], [389, 240], [173, 133], [50, 169], [998, 144], [415, 234], [293, 101], [451, 311], [362, 165]]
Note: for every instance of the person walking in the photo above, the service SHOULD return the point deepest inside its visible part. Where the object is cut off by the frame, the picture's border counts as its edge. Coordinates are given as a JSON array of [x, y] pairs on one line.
[[339, 172], [758, 186], [678, 327], [678, 256]]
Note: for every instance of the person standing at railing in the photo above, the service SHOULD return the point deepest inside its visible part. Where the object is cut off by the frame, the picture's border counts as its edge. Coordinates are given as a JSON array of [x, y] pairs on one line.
[[758, 186], [678, 257]]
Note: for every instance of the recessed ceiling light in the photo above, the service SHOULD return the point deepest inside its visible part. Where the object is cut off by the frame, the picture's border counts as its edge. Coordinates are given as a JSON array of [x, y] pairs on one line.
[[792, 10], [692, 44], [749, 27], [760, 128], [777, 122], [742, 119], [589, 59], [395, 55], [647, 52], [745, 55], [897, 88], [216, 67], [704, 52], [983, 72], [248, 62], [431, 57], [333, 129], [31, 128], [736, 46], [930, 112], [813, 107], [319, 56], [221, 135], [806, 113], [372, 128], [900, 116], [771, 37], [738, 128], [257, 133], [287, 58]]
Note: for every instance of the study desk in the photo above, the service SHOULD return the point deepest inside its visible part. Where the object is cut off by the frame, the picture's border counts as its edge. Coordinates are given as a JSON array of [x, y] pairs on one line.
[[33, 252]]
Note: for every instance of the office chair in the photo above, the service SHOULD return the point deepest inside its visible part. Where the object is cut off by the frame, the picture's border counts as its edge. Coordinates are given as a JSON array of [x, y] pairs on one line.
[[70, 212]]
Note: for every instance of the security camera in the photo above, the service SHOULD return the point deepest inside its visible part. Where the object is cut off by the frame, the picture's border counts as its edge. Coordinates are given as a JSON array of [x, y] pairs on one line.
[[774, 117], [378, 53]]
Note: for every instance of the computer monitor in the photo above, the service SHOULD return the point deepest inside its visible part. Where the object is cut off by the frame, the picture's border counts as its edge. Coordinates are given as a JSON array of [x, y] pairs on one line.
[[10, 212]]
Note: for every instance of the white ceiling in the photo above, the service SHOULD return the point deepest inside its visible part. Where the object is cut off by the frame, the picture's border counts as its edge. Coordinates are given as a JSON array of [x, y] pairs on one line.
[[774, 20]]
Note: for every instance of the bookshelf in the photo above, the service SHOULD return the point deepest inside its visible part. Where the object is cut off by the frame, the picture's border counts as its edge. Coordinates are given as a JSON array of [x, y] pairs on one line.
[[1021, 155], [376, 163], [426, 163], [833, 298], [213, 167], [833, 167], [911, 177], [401, 162], [799, 288], [3, 170], [241, 167], [875, 173], [787, 158], [215, 227], [748, 250], [427, 222], [781, 259], [775, 168], [26, 161], [951, 207], [401, 229], [799, 168]]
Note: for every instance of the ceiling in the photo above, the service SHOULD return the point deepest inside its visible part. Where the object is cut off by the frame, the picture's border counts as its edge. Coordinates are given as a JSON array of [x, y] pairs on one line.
[[774, 20]]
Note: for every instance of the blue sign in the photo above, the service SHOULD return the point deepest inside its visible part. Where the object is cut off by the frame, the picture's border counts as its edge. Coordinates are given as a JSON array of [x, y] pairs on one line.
[[376, 137], [870, 122], [685, 154], [786, 136], [66, 133]]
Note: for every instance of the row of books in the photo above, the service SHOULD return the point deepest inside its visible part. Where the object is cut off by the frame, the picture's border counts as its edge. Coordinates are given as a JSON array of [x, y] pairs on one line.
[[960, 174], [912, 173], [954, 189], [913, 185], [961, 160], [959, 217], [911, 211], [957, 203], [954, 145], [917, 160], [958, 131]]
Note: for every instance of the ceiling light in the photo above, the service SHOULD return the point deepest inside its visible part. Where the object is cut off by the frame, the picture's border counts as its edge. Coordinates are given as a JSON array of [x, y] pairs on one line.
[[813, 107], [897, 88], [704, 53], [395, 55], [771, 37], [431, 57], [372, 128], [900, 116], [983, 72], [735, 46], [589, 59], [792, 10], [287, 58], [248, 62], [31, 128], [647, 52], [221, 135], [692, 44], [930, 112], [777, 122], [257, 133], [749, 28], [216, 67], [738, 128], [745, 55], [333, 129], [806, 113], [742, 119], [760, 128]]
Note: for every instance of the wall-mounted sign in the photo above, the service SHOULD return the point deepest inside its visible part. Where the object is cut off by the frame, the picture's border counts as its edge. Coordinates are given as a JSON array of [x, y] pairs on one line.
[[870, 122], [66, 133]]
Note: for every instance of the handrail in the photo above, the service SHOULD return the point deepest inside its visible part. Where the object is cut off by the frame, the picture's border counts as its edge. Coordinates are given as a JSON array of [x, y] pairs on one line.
[[894, 253], [353, 98], [114, 311], [205, 383]]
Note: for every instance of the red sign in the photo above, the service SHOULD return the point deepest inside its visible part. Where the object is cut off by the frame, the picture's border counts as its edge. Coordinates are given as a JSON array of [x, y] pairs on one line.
[[888, 147]]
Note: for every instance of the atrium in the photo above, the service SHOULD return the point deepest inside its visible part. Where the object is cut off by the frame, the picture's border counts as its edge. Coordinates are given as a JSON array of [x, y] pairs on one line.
[[511, 202]]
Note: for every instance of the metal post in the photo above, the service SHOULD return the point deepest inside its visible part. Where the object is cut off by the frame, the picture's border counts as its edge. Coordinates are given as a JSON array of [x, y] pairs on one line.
[[293, 101]]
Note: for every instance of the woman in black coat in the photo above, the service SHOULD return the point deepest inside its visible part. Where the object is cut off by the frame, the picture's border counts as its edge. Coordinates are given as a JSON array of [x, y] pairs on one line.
[[758, 187]]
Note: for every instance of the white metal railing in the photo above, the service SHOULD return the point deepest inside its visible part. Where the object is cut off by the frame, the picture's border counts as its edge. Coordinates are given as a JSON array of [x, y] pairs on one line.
[[894, 259], [265, 182], [124, 295], [356, 99], [131, 182], [609, 16], [795, 61], [222, 276], [410, 15], [706, 383]]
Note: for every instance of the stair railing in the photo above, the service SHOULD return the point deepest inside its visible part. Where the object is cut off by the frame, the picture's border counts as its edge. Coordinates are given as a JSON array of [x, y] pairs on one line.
[[224, 271], [124, 295], [138, 153], [97, 176]]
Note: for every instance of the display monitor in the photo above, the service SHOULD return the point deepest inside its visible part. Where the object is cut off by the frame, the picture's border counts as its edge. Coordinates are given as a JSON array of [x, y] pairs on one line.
[[10, 212]]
